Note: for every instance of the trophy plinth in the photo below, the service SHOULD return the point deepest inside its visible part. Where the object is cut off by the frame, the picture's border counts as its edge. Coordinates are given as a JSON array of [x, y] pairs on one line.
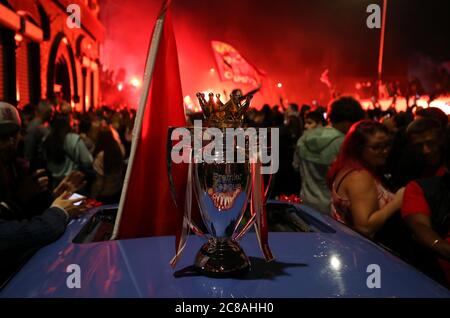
[[222, 258]]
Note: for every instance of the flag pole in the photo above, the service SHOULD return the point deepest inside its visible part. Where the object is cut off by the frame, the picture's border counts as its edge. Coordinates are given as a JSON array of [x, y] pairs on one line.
[[381, 51], [149, 67]]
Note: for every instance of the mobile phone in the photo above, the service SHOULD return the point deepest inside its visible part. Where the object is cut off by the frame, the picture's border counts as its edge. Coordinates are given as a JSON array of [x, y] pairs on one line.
[[76, 196]]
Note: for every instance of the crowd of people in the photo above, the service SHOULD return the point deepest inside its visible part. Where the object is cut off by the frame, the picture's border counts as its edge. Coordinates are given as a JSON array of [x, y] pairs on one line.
[[384, 174], [48, 152]]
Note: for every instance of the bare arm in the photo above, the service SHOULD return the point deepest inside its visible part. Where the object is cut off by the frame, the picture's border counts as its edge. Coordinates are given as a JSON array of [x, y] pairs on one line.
[[421, 226], [368, 217]]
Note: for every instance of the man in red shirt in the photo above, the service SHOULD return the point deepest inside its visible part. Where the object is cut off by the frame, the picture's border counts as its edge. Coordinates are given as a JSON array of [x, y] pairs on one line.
[[426, 211]]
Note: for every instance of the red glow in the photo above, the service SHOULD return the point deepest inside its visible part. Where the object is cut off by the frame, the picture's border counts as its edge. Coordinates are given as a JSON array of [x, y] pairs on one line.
[[126, 48], [442, 103], [18, 37], [196, 27], [135, 82], [189, 105]]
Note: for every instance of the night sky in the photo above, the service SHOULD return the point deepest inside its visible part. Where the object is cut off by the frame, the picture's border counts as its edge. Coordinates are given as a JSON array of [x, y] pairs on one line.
[[292, 40]]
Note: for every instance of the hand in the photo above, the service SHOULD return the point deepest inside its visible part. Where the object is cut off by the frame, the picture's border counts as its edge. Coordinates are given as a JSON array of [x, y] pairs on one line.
[[63, 202], [398, 198], [71, 183], [443, 248], [41, 179]]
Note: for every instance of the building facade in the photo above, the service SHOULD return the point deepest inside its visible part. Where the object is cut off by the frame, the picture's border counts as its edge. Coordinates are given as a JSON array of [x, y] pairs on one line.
[[49, 49]]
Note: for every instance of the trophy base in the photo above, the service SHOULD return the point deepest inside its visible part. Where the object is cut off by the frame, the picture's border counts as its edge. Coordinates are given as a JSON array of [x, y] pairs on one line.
[[222, 258]]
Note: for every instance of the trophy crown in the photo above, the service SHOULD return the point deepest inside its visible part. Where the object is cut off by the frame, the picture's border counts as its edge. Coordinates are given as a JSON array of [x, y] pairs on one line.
[[230, 114]]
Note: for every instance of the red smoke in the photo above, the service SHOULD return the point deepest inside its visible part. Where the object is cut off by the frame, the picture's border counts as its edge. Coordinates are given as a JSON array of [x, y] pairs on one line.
[[293, 41]]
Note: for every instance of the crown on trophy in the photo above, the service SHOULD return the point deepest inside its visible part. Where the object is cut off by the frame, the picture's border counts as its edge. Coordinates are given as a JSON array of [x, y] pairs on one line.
[[221, 115]]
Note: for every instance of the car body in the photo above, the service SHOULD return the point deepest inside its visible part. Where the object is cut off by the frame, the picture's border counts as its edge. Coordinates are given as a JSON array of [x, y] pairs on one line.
[[325, 259]]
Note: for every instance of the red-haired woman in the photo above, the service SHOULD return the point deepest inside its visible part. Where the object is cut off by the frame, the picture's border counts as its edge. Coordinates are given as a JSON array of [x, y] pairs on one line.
[[358, 196]]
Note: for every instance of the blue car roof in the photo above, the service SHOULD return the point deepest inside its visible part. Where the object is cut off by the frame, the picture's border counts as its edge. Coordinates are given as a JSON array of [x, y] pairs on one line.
[[326, 263]]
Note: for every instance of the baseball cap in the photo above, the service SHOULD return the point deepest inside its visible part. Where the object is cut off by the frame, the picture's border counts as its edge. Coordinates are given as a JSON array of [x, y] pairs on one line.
[[9, 118]]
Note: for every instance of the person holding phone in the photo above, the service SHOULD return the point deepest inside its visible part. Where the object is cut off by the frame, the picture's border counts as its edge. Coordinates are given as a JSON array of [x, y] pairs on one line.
[[19, 238], [25, 227], [25, 190]]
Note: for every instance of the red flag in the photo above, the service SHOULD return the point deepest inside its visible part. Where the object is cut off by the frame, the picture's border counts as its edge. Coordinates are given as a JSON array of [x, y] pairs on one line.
[[146, 207], [233, 66]]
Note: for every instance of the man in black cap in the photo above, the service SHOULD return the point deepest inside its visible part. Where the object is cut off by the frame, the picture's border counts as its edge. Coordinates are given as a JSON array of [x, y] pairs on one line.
[[21, 230]]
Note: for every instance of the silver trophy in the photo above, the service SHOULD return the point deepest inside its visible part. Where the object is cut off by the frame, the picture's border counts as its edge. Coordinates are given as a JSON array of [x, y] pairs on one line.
[[223, 190], [223, 187]]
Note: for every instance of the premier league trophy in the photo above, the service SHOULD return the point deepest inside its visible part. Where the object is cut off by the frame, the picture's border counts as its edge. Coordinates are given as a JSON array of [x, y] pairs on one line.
[[223, 183], [222, 190]]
